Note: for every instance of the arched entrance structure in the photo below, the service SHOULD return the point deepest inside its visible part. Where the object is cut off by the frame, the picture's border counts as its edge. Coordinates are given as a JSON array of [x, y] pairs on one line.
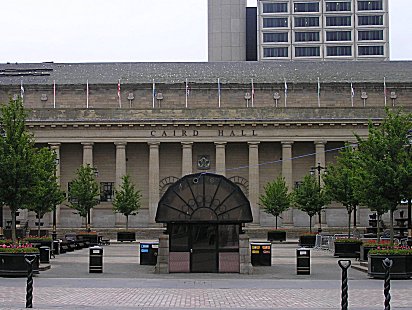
[[204, 213]]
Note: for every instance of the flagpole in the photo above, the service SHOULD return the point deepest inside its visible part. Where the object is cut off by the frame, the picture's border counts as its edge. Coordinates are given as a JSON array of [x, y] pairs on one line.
[[318, 92], [87, 94], [153, 93], [384, 88], [352, 92], [22, 91], [286, 93], [218, 89], [186, 88], [54, 93], [119, 94], [253, 94]]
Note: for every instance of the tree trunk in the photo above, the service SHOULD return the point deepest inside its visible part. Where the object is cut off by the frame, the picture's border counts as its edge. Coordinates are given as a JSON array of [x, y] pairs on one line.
[[349, 220], [310, 224], [391, 225], [13, 225], [127, 222], [354, 217], [276, 226], [38, 225]]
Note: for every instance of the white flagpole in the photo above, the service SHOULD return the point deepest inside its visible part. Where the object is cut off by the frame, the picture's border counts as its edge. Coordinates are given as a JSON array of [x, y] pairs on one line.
[[352, 93], [218, 89], [22, 91], [384, 88], [153, 93], [286, 93], [253, 93], [318, 92], [186, 89], [119, 94], [87, 94], [54, 93]]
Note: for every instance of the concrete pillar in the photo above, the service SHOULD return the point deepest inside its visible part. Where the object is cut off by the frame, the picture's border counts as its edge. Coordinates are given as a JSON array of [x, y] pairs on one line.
[[120, 219], [244, 255], [187, 158], [321, 160], [220, 157], [287, 173], [55, 147], [162, 265], [153, 180], [88, 160], [254, 180]]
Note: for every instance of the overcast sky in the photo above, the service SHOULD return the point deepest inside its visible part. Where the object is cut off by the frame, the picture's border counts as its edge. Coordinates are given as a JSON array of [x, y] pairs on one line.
[[131, 30]]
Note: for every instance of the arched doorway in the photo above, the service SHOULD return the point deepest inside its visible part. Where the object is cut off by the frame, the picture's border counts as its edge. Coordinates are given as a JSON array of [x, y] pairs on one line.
[[204, 213]]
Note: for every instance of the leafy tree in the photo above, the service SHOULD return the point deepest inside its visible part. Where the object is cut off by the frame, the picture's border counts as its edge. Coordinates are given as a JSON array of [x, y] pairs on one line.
[[384, 169], [310, 197], [17, 173], [127, 199], [276, 198], [340, 182], [45, 193], [84, 192]]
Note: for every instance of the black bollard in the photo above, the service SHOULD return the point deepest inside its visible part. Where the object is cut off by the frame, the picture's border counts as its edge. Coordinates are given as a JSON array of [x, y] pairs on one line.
[[29, 288], [387, 265], [344, 265]]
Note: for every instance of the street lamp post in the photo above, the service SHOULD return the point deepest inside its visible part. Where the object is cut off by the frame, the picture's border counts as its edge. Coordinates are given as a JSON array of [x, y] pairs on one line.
[[96, 174], [54, 232], [318, 168]]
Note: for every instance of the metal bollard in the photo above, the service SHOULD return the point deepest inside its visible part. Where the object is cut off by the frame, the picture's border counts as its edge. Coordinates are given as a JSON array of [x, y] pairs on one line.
[[29, 288], [344, 265], [387, 265]]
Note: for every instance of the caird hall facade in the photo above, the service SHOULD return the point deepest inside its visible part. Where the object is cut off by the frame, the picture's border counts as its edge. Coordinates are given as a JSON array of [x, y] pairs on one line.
[[261, 120]]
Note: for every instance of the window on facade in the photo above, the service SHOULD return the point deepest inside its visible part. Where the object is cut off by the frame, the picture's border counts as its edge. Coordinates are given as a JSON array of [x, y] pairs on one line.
[[308, 36], [275, 22], [370, 35], [338, 35], [370, 20], [370, 50], [339, 51], [275, 52], [307, 7], [269, 37], [338, 21], [106, 191], [307, 51], [373, 5], [338, 6], [306, 21], [281, 7]]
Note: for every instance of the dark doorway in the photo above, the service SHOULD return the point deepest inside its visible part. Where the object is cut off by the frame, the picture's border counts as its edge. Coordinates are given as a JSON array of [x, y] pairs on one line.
[[204, 213]]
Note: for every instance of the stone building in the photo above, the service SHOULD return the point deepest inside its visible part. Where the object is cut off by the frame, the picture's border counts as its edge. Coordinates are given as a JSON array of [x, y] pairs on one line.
[[250, 121]]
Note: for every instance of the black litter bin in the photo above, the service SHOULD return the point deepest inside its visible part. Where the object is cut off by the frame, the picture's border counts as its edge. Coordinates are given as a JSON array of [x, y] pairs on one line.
[[96, 259], [303, 261], [261, 253], [44, 255], [56, 247], [148, 253]]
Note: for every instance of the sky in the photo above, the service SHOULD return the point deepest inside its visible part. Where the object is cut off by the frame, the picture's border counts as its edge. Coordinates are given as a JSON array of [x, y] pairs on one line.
[[131, 30]]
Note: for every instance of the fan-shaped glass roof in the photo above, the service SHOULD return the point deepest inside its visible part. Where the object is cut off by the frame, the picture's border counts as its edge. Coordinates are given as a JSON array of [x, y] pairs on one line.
[[204, 197]]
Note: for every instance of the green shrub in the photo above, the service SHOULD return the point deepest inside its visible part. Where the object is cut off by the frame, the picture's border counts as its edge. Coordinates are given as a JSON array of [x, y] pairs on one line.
[[348, 240]]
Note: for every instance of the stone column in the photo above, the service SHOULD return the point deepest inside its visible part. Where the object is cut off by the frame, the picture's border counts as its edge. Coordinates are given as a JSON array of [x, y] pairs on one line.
[[55, 147], [153, 180], [187, 158], [88, 160], [220, 157], [321, 160], [120, 219], [287, 173], [254, 180]]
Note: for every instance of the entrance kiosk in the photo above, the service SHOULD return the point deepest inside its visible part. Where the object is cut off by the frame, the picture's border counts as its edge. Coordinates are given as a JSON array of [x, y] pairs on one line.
[[204, 213]]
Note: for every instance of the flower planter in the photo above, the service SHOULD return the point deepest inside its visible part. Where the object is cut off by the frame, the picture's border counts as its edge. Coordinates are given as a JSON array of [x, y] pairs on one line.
[[307, 241], [13, 264], [347, 249], [276, 235], [364, 250], [126, 236], [401, 268]]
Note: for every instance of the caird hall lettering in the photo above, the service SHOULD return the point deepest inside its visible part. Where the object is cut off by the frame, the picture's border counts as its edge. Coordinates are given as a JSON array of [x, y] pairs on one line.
[[195, 133]]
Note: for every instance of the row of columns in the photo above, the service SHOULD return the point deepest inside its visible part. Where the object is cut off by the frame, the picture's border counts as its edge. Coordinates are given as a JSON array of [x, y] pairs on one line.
[[187, 160]]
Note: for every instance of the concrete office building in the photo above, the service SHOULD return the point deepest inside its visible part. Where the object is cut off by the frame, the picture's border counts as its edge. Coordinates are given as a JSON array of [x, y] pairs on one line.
[[311, 30], [202, 126]]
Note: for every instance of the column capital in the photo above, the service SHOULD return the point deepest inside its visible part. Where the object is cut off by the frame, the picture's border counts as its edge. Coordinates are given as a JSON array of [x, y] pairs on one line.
[[120, 144], [87, 144], [286, 143], [253, 143], [153, 144], [54, 145], [320, 142], [220, 144], [187, 144]]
